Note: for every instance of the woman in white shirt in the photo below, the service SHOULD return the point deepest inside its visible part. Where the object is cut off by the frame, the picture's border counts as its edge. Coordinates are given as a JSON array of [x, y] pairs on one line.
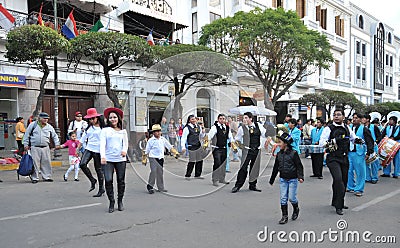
[[91, 139], [113, 149]]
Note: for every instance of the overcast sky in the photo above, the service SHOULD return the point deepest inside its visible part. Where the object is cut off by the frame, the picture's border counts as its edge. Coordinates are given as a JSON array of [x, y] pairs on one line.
[[387, 11]]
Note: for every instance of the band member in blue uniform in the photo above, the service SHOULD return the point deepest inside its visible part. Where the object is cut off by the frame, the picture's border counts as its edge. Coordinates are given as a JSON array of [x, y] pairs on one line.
[[357, 156], [317, 159], [372, 168], [392, 130]]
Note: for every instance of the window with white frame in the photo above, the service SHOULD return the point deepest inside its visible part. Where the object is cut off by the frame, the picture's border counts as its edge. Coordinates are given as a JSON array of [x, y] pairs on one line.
[[363, 49], [358, 47], [363, 72], [358, 72]]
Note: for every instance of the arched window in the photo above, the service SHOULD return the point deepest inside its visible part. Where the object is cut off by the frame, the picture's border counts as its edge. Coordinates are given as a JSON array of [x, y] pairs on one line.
[[361, 22], [379, 48], [203, 106], [389, 38]]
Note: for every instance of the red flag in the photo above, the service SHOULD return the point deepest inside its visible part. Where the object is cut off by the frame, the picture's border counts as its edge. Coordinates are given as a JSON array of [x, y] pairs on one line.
[[40, 20], [6, 19]]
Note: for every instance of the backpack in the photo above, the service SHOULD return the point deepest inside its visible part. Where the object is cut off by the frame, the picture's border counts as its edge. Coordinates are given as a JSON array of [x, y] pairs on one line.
[[26, 167]]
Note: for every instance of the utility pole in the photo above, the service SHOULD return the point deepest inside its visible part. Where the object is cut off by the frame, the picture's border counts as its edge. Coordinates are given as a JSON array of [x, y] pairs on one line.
[[57, 128]]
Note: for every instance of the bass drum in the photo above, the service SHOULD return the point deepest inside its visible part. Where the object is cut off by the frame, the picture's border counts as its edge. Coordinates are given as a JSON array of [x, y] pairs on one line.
[[387, 149]]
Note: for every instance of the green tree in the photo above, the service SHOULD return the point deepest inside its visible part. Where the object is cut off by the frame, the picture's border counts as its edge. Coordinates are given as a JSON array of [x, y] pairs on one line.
[[334, 98], [274, 44], [312, 100], [189, 66], [35, 44], [111, 51]]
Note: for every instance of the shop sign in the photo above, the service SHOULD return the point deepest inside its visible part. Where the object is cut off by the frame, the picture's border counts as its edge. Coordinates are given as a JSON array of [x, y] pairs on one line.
[[12, 80]]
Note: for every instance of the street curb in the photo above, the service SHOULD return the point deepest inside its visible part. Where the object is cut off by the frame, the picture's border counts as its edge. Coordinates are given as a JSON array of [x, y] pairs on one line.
[[8, 167]]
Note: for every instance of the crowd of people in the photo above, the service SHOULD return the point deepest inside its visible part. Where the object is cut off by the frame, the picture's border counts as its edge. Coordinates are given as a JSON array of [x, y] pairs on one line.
[[348, 149]]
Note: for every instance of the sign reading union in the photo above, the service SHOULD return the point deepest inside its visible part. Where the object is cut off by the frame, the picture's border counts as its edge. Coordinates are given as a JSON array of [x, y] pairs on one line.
[[12, 80]]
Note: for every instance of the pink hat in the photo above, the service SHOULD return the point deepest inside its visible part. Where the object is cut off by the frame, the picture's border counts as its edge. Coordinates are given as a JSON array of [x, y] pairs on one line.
[[107, 111], [92, 112]]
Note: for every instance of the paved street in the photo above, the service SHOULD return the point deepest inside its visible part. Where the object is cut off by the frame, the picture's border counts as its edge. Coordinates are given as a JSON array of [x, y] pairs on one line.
[[192, 214]]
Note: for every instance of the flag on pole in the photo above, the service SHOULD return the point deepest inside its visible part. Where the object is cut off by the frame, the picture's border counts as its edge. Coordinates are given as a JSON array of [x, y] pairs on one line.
[[6, 19], [150, 39], [40, 20], [69, 28], [97, 26]]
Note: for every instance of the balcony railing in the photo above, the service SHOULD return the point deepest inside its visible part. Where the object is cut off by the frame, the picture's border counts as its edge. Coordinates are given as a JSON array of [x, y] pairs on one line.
[[157, 5], [48, 20]]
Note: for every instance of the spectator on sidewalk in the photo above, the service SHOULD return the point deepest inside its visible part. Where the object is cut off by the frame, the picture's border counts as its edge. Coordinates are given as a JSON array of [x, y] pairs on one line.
[[307, 136], [19, 133], [38, 141]]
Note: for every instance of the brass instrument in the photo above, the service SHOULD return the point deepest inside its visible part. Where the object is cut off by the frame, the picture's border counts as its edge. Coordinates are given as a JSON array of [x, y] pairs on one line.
[[144, 158], [234, 146], [142, 146], [175, 152], [205, 142], [238, 144]]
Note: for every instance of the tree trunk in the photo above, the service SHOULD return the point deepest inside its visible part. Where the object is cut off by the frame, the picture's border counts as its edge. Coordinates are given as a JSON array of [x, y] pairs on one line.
[[39, 100], [110, 93], [177, 110]]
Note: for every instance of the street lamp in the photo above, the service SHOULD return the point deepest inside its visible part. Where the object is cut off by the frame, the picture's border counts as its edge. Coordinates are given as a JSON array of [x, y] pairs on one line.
[[57, 128]]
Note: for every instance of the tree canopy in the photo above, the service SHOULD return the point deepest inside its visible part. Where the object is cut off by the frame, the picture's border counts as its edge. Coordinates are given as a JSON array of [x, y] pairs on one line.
[[35, 44], [189, 66], [274, 44], [111, 51]]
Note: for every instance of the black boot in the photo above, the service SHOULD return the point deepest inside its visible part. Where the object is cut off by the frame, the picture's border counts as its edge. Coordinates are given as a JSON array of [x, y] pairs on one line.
[[100, 178], [111, 207], [110, 195], [284, 218], [296, 211], [101, 185], [100, 193], [121, 191], [89, 175]]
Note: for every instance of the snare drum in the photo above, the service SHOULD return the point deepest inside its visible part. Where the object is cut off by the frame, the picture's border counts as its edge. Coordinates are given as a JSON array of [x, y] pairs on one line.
[[387, 149], [312, 148]]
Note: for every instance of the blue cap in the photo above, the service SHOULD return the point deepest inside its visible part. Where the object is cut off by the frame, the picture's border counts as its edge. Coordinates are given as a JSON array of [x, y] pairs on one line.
[[44, 115]]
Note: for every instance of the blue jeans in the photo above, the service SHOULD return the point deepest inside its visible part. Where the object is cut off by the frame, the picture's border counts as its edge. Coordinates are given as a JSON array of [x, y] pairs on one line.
[[288, 188]]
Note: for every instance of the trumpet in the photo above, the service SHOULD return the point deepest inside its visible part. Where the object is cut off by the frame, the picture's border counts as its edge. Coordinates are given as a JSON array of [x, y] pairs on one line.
[[238, 144], [234, 146], [175, 152], [144, 158], [205, 142]]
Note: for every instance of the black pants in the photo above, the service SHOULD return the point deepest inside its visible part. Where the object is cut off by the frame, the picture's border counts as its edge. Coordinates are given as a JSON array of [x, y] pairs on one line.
[[195, 161], [339, 167], [317, 160], [86, 157], [20, 148], [120, 168], [251, 158], [219, 155]]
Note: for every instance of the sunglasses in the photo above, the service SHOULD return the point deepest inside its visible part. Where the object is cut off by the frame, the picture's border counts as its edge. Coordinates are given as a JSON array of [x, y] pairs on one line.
[[91, 119], [79, 116]]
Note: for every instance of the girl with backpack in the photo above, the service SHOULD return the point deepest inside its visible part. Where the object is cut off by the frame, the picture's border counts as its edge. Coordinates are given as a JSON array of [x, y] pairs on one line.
[[91, 137]]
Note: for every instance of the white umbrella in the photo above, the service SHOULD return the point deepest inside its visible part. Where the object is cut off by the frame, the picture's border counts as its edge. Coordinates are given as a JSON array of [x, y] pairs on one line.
[[394, 113], [93, 6], [252, 109]]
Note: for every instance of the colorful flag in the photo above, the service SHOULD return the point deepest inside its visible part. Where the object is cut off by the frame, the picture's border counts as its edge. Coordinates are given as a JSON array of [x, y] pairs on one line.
[[97, 26], [150, 39], [69, 28], [6, 19], [40, 20]]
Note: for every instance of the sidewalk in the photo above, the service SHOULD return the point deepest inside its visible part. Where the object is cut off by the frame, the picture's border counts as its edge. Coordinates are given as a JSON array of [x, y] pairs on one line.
[[56, 162]]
